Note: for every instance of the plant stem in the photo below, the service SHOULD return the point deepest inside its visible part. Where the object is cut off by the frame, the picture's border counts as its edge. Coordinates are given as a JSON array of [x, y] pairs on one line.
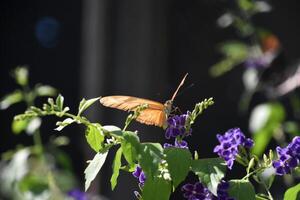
[[251, 173], [268, 191], [37, 140]]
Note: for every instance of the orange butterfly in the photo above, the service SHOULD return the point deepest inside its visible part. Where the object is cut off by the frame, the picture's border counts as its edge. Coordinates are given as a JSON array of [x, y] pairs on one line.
[[155, 114]]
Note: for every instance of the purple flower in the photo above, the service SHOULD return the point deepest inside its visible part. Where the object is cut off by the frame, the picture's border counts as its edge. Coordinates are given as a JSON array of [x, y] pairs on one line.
[[77, 194], [177, 144], [196, 191], [289, 157], [260, 62], [230, 142], [140, 175], [176, 126], [222, 191]]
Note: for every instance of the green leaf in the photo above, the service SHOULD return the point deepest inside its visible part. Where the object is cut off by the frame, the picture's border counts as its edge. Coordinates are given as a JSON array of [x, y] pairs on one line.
[[10, 99], [179, 163], [264, 132], [246, 5], [93, 168], [21, 75], [210, 171], [261, 197], [292, 128], [224, 66], [84, 104], [251, 164], [19, 126], [64, 123], [150, 157], [292, 193], [45, 90], [156, 188], [33, 183], [55, 190], [33, 125], [266, 177], [94, 136], [241, 190], [28, 124], [116, 168], [235, 52], [130, 146], [59, 102], [113, 130], [234, 49]]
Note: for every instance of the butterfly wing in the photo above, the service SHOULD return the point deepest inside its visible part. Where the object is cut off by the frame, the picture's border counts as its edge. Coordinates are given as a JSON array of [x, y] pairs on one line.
[[152, 117], [129, 103]]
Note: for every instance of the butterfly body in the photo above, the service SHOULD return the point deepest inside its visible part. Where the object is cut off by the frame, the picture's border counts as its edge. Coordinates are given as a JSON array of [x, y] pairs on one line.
[[156, 113]]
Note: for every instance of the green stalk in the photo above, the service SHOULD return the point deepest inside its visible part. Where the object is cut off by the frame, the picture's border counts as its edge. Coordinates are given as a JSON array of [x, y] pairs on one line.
[[37, 140]]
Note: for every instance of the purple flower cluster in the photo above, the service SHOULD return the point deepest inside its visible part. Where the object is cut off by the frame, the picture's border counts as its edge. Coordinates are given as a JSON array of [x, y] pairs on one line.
[[198, 191], [77, 194], [140, 175], [230, 142], [222, 191], [177, 129], [176, 126], [289, 157], [177, 144]]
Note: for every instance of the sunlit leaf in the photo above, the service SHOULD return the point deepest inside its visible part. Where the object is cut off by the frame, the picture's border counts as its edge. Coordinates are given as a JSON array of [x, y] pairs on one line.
[[45, 90], [150, 158], [10, 99], [19, 126], [21, 75], [156, 188], [265, 132], [93, 168], [116, 168], [241, 190], [84, 104], [33, 125], [64, 123], [179, 163], [292, 193], [210, 171], [113, 130], [94, 136], [131, 147], [59, 102]]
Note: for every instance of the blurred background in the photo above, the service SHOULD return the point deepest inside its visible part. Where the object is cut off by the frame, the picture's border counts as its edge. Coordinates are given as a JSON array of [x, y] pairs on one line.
[[143, 48]]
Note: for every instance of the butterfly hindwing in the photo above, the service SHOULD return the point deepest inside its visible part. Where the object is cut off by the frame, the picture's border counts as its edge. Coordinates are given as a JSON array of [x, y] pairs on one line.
[[152, 117]]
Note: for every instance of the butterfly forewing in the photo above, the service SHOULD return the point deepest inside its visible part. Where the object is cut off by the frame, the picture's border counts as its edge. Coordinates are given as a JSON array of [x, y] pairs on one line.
[[129, 103]]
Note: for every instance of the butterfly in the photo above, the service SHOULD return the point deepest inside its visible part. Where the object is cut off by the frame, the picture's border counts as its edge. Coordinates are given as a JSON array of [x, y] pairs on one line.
[[155, 114]]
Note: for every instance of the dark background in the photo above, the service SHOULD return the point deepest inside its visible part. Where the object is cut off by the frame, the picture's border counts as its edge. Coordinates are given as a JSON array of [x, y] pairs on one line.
[[138, 48]]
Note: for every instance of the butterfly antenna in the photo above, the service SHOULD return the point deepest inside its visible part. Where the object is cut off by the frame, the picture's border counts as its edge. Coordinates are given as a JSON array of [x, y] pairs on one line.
[[181, 83]]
